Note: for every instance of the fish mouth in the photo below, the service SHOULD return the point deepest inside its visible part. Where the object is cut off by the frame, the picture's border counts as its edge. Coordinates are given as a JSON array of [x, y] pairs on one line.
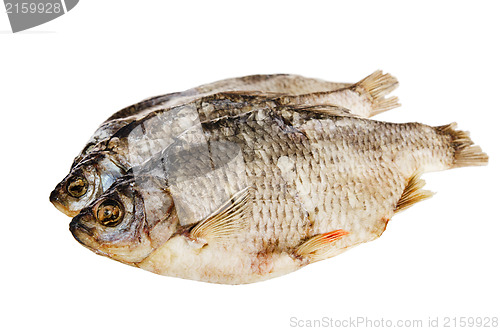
[[81, 231], [54, 199], [86, 237]]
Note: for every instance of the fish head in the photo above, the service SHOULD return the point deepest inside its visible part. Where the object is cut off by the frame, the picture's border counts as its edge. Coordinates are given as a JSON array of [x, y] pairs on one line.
[[129, 221], [85, 182]]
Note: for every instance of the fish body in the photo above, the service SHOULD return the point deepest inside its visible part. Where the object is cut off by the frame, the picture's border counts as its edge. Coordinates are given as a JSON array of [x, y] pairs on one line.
[[254, 195], [151, 126]]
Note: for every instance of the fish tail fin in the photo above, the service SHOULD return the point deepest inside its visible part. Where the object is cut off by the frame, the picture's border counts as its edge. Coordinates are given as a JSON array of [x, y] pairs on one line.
[[466, 153], [376, 86]]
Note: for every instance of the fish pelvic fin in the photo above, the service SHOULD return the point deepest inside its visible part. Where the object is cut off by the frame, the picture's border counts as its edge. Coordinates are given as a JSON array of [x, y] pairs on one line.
[[223, 223], [320, 247], [412, 193], [376, 86], [466, 154]]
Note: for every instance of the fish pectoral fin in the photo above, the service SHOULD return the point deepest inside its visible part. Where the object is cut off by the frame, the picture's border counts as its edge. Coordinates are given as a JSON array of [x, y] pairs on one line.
[[376, 86], [321, 246], [412, 193], [225, 221]]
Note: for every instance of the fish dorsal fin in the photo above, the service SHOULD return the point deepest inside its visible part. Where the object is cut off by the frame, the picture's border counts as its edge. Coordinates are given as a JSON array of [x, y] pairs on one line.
[[326, 109], [412, 193], [225, 221], [321, 246], [259, 94]]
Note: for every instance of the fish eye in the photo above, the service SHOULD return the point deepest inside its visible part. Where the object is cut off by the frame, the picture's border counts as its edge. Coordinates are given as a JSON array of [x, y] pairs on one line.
[[77, 186], [109, 213]]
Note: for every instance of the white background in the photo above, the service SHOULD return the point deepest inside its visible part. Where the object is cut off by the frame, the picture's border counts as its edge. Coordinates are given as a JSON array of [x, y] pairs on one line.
[[60, 80]]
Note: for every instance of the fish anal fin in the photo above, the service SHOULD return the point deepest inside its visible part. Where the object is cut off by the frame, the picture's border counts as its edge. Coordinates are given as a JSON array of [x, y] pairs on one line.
[[376, 86], [225, 222], [412, 193], [320, 247]]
